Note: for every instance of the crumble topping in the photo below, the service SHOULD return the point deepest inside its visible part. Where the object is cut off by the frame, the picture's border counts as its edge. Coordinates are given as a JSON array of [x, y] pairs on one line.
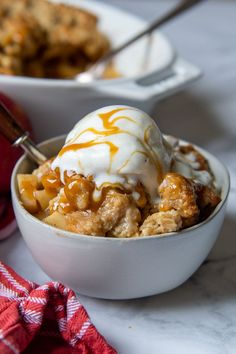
[[39, 38]]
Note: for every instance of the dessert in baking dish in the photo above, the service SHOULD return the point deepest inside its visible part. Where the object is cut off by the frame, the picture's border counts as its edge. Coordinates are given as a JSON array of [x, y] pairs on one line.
[[118, 176], [39, 38]]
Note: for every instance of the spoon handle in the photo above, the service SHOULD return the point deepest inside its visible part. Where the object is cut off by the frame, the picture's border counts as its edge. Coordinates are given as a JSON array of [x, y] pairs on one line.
[[177, 10], [13, 132], [9, 126]]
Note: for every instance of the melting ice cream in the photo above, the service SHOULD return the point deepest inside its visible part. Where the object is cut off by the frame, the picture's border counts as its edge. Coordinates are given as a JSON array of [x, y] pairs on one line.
[[116, 145]]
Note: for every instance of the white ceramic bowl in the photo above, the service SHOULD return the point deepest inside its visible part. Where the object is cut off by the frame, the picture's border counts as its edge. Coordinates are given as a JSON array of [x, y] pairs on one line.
[[118, 268], [56, 105]]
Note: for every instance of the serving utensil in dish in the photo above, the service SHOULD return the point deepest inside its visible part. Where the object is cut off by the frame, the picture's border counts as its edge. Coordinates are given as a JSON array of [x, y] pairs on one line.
[[96, 70], [17, 136], [56, 105], [119, 268]]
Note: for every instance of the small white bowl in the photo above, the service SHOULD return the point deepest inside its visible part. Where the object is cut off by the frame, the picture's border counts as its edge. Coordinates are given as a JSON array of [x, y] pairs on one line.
[[113, 268]]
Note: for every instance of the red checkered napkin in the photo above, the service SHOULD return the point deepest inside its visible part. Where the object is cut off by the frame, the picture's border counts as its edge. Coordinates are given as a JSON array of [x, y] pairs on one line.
[[44, 319]]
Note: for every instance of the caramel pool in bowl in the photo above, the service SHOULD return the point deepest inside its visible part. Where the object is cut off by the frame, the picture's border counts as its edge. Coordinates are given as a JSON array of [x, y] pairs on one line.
[[114, 268]]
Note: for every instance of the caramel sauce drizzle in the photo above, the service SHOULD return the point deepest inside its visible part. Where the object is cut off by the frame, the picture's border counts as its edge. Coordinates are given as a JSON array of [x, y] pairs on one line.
[[133, 153], [78, 146], [73, 147], [109, 126], [110, 130]]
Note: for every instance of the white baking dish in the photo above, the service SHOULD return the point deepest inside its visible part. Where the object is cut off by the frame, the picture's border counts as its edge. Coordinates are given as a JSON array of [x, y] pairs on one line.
[[150, 73]]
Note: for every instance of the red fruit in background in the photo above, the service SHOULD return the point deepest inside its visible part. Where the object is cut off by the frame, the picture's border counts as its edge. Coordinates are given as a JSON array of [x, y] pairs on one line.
[[9, 154], [7, 218]]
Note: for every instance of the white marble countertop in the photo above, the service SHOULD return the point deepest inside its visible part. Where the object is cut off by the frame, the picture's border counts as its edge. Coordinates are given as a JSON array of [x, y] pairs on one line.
[[200, 316]]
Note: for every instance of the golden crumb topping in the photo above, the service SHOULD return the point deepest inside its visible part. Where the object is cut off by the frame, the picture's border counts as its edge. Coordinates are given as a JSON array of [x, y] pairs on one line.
[[43, 39]]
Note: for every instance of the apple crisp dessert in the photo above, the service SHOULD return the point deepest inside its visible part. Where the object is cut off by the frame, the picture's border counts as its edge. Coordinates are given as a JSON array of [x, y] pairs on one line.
[[39, 38]]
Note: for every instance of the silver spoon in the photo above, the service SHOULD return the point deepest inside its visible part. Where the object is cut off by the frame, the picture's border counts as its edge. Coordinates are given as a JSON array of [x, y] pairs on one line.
[[97, 69], [13, 132]]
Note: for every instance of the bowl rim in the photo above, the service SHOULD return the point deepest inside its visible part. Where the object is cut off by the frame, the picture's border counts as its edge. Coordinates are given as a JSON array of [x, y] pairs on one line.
[[73, 235], [31, 81]]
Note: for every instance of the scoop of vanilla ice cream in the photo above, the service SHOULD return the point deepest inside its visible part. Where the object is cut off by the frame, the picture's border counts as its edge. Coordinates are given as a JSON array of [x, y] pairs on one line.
[[116, 145]]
